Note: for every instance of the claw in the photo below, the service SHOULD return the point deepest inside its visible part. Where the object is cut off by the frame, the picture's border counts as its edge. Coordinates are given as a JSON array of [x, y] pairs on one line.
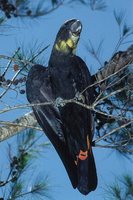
[[79, 97], [59, 102]]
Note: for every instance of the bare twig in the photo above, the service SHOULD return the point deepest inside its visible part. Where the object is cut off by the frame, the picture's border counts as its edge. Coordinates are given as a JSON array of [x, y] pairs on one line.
[[25, 62], [53, 103], [26, 106], [119, 147], [104, 79], [109, 95], [113, 131], [9, 63], [8, 87], [21, 125]]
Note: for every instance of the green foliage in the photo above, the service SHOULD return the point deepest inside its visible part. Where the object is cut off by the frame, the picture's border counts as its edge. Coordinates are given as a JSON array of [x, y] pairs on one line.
[[115, 99], [99, 5], [18, 177], [125, 31], [122, 189], [95, 52], [23, 8], [19, 63], [115, 94], [119, 16], [33, 55], [40, 188]]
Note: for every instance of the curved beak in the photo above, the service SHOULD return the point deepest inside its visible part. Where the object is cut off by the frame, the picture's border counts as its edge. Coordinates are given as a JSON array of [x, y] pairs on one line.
[[76, 28]]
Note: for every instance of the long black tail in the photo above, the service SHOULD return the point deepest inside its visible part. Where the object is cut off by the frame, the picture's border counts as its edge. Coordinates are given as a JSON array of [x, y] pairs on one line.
[[87, 176]]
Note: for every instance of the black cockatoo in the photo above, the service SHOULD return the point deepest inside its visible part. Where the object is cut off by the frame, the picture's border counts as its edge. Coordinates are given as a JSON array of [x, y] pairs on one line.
[[68, 127]]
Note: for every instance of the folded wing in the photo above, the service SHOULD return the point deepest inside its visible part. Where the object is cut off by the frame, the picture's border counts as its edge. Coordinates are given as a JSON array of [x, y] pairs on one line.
[[38, 89]]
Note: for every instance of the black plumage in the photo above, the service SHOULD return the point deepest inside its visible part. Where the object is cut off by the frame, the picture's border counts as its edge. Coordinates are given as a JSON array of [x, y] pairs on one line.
[[69, 127]]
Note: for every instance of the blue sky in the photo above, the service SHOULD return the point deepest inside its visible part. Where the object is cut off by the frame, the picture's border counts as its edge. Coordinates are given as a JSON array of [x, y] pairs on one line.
[[97, 26]]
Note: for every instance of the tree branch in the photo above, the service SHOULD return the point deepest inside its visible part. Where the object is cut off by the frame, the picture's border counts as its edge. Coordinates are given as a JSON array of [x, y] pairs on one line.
[[119, 62], [23, 123], [113, 131], [116, 64], [29, 121]]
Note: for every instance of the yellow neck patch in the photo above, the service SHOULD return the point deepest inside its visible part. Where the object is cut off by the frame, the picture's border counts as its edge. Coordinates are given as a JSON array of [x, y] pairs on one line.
[[65, 46], [70, 43]]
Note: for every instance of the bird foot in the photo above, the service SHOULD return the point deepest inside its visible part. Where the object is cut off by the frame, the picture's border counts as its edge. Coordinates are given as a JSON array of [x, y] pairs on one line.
[[59, 102], [79, 97]]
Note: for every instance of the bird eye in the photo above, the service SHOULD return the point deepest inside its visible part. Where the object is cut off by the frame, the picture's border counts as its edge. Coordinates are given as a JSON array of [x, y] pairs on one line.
[[76, 33], [76, 29]]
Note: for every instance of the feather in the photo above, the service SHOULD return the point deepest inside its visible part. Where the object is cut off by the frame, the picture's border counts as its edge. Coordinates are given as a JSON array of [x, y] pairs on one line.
[[69, 128]]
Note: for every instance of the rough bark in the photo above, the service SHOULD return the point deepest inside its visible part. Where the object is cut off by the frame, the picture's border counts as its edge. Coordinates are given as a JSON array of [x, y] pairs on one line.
[[17, 126], [118, 62]]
